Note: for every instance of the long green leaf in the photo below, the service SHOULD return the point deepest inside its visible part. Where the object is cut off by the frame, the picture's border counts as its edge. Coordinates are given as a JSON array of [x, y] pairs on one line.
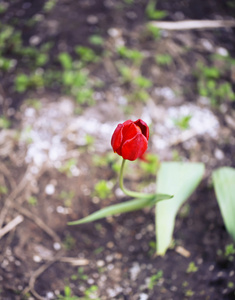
[[179, 179], [224, 184], [121, 208]]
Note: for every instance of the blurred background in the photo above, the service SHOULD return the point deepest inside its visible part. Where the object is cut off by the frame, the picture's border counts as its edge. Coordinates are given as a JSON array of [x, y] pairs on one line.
[[70, 71]]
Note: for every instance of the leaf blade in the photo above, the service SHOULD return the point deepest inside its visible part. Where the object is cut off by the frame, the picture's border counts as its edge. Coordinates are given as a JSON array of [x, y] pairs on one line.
[[124, 207], [224, 185], [179, 179]]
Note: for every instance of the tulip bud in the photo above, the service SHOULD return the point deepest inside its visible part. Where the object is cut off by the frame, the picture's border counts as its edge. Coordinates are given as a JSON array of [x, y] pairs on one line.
[[130, 139]]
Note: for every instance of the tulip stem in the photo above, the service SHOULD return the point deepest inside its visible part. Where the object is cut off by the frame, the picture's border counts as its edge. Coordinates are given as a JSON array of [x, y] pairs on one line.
[[128, 192]]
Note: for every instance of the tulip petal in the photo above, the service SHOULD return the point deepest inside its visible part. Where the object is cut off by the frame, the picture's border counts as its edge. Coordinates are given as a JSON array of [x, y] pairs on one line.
[[130, 131], [117, 138], [135, 147], [144, 127]]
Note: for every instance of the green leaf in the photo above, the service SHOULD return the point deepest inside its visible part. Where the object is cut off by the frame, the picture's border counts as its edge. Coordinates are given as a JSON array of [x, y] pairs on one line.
[[124, 207], [179, 179], [224, 184]]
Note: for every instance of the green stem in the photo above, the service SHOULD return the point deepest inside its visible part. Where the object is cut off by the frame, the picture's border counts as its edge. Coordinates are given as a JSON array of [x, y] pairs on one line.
[[131, 193]]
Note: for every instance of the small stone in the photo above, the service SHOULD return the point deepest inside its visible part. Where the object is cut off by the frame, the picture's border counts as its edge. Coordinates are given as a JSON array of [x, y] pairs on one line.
[[92, 20], [50, 189]]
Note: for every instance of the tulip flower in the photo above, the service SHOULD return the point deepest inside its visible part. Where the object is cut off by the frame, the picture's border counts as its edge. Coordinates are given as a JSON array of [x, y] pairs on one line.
[[130, 139]]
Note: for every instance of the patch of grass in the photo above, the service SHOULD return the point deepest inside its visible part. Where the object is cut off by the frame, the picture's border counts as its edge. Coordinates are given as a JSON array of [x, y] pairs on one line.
[[153, 31], [86, 54], [69, 242]]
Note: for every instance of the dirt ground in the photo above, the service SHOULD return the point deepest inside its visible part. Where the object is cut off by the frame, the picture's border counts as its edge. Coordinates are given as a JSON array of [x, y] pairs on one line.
[[55, 147]]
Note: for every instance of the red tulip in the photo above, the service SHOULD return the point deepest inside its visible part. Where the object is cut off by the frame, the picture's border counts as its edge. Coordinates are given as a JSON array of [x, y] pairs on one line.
[[130, 139]]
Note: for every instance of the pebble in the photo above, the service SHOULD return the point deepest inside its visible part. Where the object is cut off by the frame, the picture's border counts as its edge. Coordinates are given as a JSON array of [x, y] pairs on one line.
[[92, 20], [50, 189]]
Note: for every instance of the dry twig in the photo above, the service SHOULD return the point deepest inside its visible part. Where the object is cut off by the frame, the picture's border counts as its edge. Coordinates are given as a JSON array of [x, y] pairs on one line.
[[11, 225], [193, 24]]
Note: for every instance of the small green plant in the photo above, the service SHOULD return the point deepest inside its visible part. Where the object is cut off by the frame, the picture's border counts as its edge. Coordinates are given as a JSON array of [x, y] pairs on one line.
[[96, 40], [69, 242], [152, 13], [183, 122], [4, 122], [66, 60], [102, 189], [67, 294], [49, 5], [86, 54], [154, 279], [150, 163], [153, 31], [142, 82], [132, 54], [32, 201], [163, 59], [67, 196], [192, 268], [3, 190], [66, 168]]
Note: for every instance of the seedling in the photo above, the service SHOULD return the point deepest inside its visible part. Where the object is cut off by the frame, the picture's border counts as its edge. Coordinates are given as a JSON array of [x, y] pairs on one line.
[[4, 122], [152, 13], [102, 189], [192, 268], [32, 201], [153, 31], [154, 279], [163, 59], [96, 40], [133, 55], [67, 294], [183, 122], [3, 190], [86, 54]]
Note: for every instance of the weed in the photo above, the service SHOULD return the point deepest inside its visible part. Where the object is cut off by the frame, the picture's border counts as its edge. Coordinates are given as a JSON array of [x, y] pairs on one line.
[[163, 59], [3, 190], [32, 200], [4, 122], [152, 13], [192, 268], [67, 167], [102, 189], [86, 54], [96, 40], [67, 294], [69, 242], [142, 82], [153, 31], [154, 279], [49, 5], [133, 55], [67, 197], [183, 122]]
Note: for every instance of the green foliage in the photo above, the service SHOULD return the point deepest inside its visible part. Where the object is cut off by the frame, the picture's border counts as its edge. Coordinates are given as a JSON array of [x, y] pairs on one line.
[[142, 82], [212, 84], [33, 80], [133, 55], [69, 242], [223, 181], [102, 189], [192, 268], [67, 196], [183, 122], [152, 13], [179, 179], [3, 190], [67, 294], [49, 5], [153, 31], [150, 164], [86, 54], [32, 201], [124, 207], [66, 168], [163, 59], [4, 122], [154, 279], [96, 40], [66, 60]]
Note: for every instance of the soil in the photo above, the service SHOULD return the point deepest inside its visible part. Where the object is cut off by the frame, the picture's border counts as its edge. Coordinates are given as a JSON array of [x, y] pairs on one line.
[[52, 157]]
